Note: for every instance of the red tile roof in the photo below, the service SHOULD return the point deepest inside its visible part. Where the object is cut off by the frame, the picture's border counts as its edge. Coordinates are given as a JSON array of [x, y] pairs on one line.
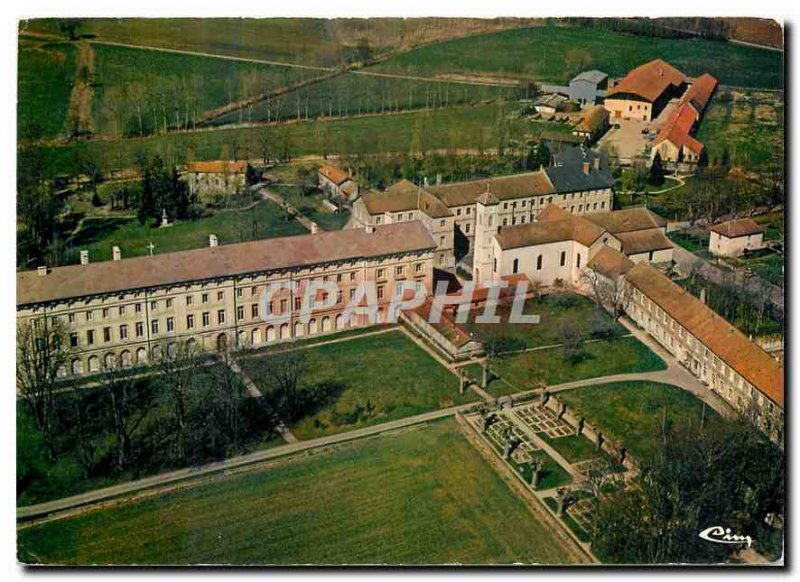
[[735, 228], [648, 81], [723, 339], [643, 241], [225, 260], [627, 220], [699, 94], [334, 174], [678, 127], [610, 263], [551, 226]]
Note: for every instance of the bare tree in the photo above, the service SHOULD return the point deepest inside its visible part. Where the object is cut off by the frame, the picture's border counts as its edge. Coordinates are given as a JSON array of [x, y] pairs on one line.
[[177, 370], [611, 293], [129, 403], [41, 353], [285, 370]]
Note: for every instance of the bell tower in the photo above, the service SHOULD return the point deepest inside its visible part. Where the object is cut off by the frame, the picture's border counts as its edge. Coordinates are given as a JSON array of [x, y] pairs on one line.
[[486, 226]]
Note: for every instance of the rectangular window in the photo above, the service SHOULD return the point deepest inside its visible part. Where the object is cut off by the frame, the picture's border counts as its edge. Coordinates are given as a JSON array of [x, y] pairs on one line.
[[71, 318], [239, 292], [169, 303], [379, 273], [418, 267], [398, 271], [106, 334], [170, 324], [220, 316], [220, 295], [352, 294], [122, 310], [189, 299], [353, 276], [204, 298], [138, 308], [190, 321], [123, 332], [90, 337], [380, 291], [253, 291], [284, 305], [154, 306], [154, 326], [139, 329], [89, 315], [240, 312], [206, 319], [298, 303], [105, 313], [73, 340], [254, 310]]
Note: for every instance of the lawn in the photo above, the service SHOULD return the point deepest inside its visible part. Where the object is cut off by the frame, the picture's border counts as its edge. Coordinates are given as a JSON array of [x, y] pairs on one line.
[[519, 372], [553, 310], [449, 128], [693, 241], [633, 412], [376, 379], [264, 220], [128, 78], [769, 266], [46, 71], [421, 496], [557, 53]]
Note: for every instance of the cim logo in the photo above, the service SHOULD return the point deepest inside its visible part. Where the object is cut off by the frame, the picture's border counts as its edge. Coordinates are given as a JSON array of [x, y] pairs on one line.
[[721, 535]]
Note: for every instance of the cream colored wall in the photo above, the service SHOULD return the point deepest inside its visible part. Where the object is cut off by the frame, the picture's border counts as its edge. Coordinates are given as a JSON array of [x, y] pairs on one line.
[[723, 246], [702, 362], [159, 304], [628, 109], [208, 185], [551, 269], [660, 256]]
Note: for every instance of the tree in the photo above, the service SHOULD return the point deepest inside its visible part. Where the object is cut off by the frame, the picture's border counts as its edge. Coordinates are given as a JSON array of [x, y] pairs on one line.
[[702, 160], [41, 356], [657, 171], [571, 339], [285, 370], [538, 156], [251, 176], [611, 293], [177, 373], [128, 403], [69, 28], [726, 474]]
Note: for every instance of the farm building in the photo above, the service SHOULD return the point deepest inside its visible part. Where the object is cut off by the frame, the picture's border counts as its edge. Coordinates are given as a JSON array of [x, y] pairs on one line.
[[645, 91], [675, 142], [593, 125], [549, 104], [734, 237], [337, 183], [588, 87], [211, 179]]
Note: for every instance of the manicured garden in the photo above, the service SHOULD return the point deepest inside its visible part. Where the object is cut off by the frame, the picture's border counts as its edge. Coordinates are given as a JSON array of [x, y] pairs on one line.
[[635, 412], [368, 380], [420, 496], [533, 369]]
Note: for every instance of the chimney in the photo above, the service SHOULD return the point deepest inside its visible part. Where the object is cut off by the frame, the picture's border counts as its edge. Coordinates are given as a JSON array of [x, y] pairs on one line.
[[213, 241], [42, 270], [703, 295], [586, 167], [84, 257], [369, 229], [116, 253], [597, 163], [314, 228]]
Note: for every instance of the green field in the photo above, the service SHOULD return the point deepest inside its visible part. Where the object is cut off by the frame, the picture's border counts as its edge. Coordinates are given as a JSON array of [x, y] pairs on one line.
[[420, 496], [375, 379], [557, 53], [451, 128], [356, 94], [750, 130], [263, 220], [519, 372], [633, 412], [132, 79], [310, 205], [46, 72]]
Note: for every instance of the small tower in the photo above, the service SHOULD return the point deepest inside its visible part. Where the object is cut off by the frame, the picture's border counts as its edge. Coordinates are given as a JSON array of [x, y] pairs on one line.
[[486, 226]]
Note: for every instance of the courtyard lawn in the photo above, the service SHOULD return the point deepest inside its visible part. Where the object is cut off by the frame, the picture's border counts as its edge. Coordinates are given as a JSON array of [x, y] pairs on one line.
[[519, 372], [263, 219], [557, 53], [553, 310], [420, 496], [574, 448], [634, 412], [376, 379], [46, 72]]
